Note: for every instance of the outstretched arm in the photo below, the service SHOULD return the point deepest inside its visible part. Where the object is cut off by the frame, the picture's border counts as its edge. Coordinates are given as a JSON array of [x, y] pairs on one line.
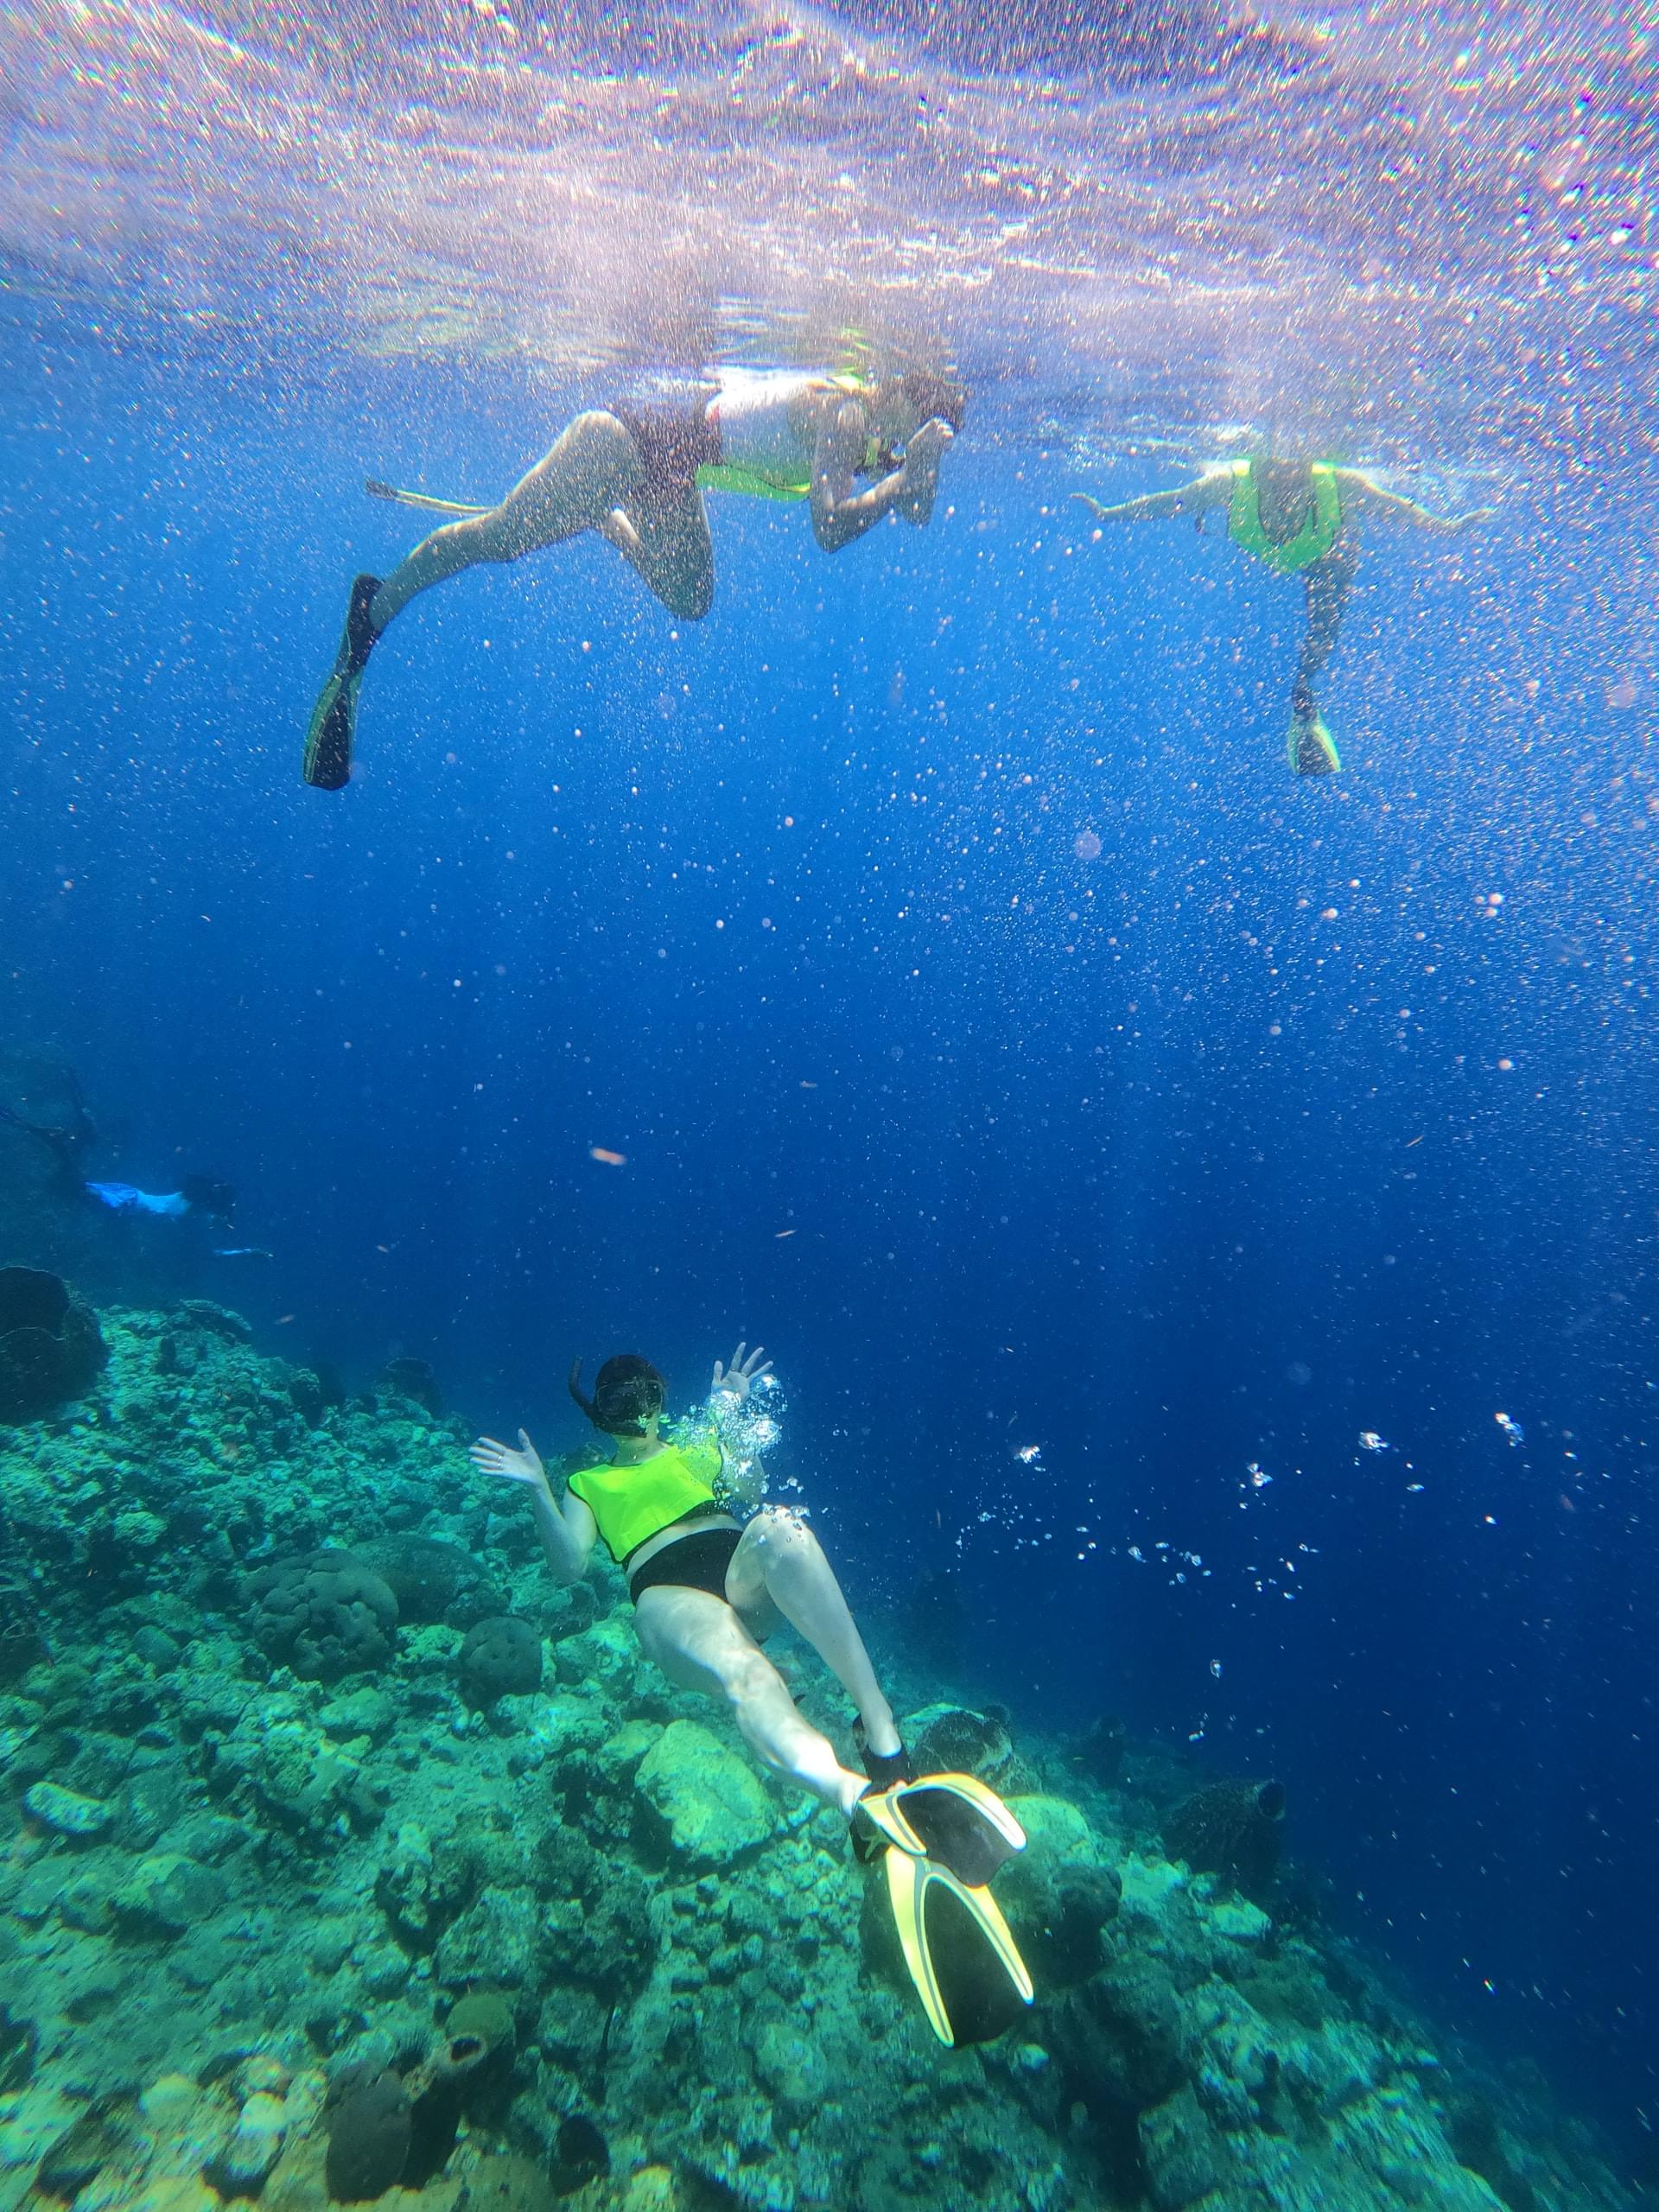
[[1359, 490], [740, 1472], [568, 1535], [839, 514], [1213, 489]]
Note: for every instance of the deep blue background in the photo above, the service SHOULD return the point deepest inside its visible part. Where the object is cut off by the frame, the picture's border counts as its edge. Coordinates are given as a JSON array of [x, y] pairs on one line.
[[1195, 1153]]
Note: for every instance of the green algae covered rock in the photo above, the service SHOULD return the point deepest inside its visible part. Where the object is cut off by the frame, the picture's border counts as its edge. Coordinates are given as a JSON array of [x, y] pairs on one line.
[[167, 1894], [711, 1802], [66, 1813], [493, 1941], [368, 1712], [1060, 1893]]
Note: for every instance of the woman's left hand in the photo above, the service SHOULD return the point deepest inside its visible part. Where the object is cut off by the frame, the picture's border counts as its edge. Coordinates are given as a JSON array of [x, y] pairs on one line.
[[737, 1378]]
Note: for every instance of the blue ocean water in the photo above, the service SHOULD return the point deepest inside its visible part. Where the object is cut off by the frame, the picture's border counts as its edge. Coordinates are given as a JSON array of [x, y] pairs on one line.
[[984, 1019]]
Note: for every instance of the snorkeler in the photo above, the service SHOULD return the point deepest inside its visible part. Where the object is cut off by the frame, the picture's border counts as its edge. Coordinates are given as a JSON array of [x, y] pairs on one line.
[[707, 1589], [205, 1196], [636, 476], [1294, 515]]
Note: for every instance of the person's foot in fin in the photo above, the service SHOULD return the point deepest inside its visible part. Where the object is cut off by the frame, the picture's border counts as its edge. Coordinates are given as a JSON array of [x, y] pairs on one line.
[[333, 719], [884, 1768], [952, 1820], [939, 1840], [1310, 748]]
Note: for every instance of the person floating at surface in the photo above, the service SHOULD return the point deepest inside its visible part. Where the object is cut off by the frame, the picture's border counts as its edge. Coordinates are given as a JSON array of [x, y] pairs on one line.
[[707, 1589], [636, 476], [1294, 515]]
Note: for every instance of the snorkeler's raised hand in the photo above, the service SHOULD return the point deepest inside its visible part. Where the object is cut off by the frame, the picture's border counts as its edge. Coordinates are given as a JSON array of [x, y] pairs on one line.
[[737, 1378], [524, 1465], [922, 457]]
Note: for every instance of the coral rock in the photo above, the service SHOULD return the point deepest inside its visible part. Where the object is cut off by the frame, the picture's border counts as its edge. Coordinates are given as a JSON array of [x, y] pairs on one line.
[[370, 2129], [711, 1800], [432, 1581], [256, 2145], [501, 1658], [50, 1344], [65, 1813], [325, 1616]]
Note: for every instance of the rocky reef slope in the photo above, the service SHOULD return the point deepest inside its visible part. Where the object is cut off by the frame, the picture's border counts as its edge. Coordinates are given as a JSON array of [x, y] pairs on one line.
[[343, 1858]]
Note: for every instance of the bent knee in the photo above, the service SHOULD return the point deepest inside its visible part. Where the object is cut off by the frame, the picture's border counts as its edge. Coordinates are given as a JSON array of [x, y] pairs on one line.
[[598, 453], [781, 1534]]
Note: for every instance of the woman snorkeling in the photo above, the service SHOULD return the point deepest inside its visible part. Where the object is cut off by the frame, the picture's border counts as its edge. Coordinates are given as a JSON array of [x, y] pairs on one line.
[[709, 1588], [1296, 516]]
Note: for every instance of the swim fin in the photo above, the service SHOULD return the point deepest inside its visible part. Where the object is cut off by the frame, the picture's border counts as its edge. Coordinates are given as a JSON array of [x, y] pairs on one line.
[[424, 500], [940, 1838], [1310, 748], [332, 726]]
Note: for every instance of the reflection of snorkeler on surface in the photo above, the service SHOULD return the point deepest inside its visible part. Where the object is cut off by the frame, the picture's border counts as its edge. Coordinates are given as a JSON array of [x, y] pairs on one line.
[[1292, 515], [636, 476], [707, 1589], [197, 1195]]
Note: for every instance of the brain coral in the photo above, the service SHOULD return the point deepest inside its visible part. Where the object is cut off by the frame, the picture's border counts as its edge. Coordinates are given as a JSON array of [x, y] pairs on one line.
[[501, 1658], [325, 1615]]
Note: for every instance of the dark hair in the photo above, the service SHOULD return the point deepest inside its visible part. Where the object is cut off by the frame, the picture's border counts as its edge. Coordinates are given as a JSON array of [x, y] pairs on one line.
[[210, 1194], [930, 395], [627, 1392]]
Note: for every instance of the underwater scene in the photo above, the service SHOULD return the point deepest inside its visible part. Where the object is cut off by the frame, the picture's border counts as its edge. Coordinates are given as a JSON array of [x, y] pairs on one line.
[[829, 1201]]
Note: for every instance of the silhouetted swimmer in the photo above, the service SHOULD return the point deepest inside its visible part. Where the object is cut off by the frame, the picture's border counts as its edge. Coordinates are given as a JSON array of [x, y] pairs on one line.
[[638, 474], [1294, 515], [204, 1197]]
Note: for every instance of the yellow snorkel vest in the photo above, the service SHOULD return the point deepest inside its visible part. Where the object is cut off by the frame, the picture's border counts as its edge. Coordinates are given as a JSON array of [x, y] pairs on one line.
[[636, 1502], [1312, 542]]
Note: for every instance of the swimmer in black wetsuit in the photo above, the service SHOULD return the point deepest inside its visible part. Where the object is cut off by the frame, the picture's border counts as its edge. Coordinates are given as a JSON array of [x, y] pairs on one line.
[[638, 476]]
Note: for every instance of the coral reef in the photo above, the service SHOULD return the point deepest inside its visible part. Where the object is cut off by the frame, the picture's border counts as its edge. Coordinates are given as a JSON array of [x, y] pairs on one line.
[[1233, 1828], [290, 1915], [326, 1614], [501, 1657]]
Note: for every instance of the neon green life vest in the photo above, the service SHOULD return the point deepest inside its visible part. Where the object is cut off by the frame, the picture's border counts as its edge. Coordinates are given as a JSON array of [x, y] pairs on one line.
[[788, 476], [633, 1503], [1312, 542]]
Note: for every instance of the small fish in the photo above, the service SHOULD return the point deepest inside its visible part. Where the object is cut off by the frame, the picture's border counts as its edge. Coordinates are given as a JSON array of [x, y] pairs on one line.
[[1370, 1441], [606, 1157]]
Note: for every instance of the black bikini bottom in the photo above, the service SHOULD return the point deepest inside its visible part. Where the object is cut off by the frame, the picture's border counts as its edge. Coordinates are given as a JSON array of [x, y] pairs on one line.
[[673, 442], [698, 1561]]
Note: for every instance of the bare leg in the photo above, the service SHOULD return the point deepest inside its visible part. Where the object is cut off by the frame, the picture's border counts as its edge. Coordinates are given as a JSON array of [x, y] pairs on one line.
[[671, 549], [1327, 584], [589, 481], [589, 472], [701, 1644], [780, 1567]]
